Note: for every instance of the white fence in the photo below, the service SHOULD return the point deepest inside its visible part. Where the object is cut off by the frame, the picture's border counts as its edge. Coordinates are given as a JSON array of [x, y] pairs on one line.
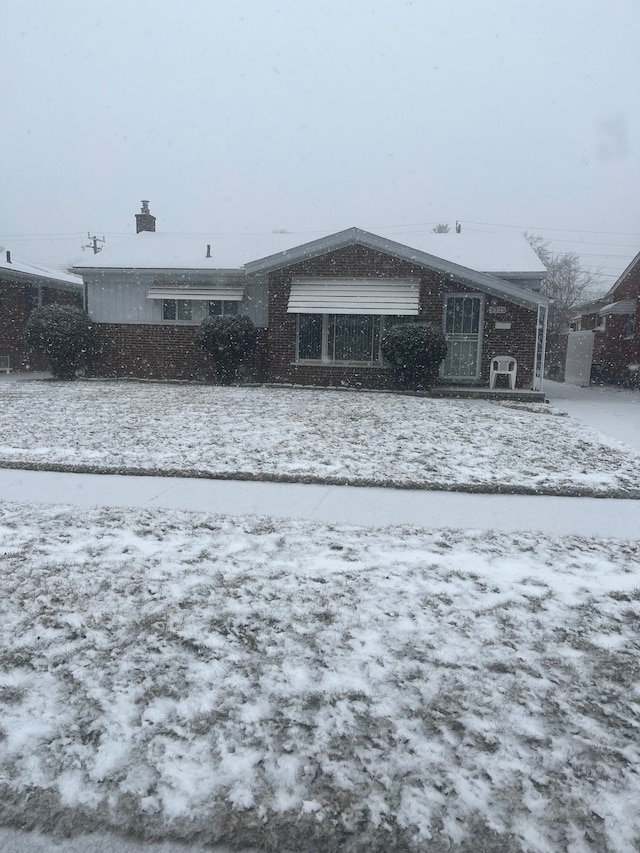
[[577, 369]]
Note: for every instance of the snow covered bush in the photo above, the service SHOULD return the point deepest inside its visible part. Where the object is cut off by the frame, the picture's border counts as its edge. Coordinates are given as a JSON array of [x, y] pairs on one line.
[[65, 333], [228, 340], [415, 351]]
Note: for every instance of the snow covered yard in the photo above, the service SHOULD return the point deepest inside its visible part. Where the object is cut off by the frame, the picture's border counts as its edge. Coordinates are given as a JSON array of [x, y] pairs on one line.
[[269, 683], [309, 435]]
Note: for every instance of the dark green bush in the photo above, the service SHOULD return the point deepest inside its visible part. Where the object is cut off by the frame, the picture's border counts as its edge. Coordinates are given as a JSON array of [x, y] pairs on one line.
[[228, 340], [65, 333], [415, 351]]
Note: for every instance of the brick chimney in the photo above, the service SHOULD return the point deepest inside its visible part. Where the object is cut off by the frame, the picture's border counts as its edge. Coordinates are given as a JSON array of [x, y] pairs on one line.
[[144, 220]]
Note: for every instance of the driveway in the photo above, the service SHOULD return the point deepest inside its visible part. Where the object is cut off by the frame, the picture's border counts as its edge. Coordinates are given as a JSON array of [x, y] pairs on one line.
[[614, 411]]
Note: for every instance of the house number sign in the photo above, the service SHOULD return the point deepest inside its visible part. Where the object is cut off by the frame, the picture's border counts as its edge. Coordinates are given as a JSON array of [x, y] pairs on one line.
[[497, 309]]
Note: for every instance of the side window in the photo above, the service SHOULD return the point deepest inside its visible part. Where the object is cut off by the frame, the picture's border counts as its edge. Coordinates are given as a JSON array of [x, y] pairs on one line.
[[169, 309], [185, 311], [177, 309], [222, 307]]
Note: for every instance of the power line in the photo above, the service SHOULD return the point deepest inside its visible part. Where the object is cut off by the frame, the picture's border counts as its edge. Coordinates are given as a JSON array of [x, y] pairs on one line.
[[564, 230], [22, 237], [403, 227]]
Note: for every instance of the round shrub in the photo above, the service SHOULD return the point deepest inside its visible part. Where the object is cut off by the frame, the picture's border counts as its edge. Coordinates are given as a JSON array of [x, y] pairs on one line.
[[64, 333], [228, 340], [415, 351]]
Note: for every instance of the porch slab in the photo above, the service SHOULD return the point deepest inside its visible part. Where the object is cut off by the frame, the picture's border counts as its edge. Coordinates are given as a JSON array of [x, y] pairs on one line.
[[519, 395]]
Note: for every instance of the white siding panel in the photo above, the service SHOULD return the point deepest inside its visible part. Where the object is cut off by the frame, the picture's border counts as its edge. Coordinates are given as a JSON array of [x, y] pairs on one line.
[[257, 300], [121, 298]]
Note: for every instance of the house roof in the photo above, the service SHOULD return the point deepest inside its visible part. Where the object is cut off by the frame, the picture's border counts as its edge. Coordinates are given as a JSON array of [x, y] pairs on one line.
[[473, 258], [484, 281], [486, 252], [153, 250], [15, 269]]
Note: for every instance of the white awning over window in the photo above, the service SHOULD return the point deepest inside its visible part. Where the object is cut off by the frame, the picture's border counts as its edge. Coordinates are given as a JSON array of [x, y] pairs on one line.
[[354, 296], [227, 292], [625, 306]]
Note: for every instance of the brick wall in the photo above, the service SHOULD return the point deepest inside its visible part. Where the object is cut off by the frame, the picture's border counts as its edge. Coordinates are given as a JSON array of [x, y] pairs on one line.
[[613, 351], [147, 351], [359, 262], [16, 303], [518, 341], [629, 287]]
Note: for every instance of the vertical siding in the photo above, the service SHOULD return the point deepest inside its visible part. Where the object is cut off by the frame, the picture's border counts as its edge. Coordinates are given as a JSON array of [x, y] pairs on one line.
[[122, 298]]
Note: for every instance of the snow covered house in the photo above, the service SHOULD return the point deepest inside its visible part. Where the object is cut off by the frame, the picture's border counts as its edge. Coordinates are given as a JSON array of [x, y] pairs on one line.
[[23, 287], [604, 344], [321, 307]]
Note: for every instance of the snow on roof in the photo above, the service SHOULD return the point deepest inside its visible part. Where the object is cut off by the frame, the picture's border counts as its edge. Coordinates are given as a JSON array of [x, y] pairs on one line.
[[37, 271], [484, 252]]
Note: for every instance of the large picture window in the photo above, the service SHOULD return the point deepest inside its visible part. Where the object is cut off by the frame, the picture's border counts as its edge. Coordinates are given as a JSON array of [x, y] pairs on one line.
[[346, 338]]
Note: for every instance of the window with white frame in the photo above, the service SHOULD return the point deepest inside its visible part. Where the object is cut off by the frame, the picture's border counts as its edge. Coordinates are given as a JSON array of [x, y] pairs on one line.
[[177, 310], [343, 338], [601, 322], [222, 307]]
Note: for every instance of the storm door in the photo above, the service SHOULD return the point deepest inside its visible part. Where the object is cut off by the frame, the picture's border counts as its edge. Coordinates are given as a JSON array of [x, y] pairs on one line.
[[463, 331]]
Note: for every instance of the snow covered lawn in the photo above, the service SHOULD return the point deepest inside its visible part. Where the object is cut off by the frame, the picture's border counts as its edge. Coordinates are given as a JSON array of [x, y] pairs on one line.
[[310, 436], [331, 687]]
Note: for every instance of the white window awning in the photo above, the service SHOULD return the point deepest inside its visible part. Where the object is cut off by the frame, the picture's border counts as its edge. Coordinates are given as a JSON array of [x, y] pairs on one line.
[[625, 306], [230, 293], [391, 296]]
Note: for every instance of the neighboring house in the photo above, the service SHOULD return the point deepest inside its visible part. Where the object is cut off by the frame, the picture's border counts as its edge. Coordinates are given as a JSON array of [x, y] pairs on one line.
[[321, 307], [604, 342], [24, 287]]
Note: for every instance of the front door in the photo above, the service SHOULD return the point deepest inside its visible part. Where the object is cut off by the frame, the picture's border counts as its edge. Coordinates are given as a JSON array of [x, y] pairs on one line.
[[462, 329]]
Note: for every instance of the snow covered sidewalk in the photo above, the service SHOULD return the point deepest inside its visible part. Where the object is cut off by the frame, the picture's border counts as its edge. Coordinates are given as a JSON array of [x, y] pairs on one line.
[[372, 507]]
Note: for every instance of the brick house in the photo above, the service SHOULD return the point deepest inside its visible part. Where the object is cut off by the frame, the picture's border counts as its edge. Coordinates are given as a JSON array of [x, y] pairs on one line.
[[321, 307], [24, 287], [605, 336]]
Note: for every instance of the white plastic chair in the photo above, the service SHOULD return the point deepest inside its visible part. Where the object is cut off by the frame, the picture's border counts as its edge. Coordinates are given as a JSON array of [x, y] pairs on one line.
[[503, 365]]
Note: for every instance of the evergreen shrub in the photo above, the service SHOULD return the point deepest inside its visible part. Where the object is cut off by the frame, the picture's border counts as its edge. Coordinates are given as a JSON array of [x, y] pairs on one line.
[[228, 340], [415, 351], [66, 335]]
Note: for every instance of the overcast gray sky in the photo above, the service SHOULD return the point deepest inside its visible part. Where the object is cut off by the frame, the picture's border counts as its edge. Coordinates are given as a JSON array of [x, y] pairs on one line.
[[254, 115]]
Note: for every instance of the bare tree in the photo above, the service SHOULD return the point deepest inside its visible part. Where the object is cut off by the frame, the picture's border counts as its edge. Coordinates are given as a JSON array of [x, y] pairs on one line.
[[567, 285], [441, 228]]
